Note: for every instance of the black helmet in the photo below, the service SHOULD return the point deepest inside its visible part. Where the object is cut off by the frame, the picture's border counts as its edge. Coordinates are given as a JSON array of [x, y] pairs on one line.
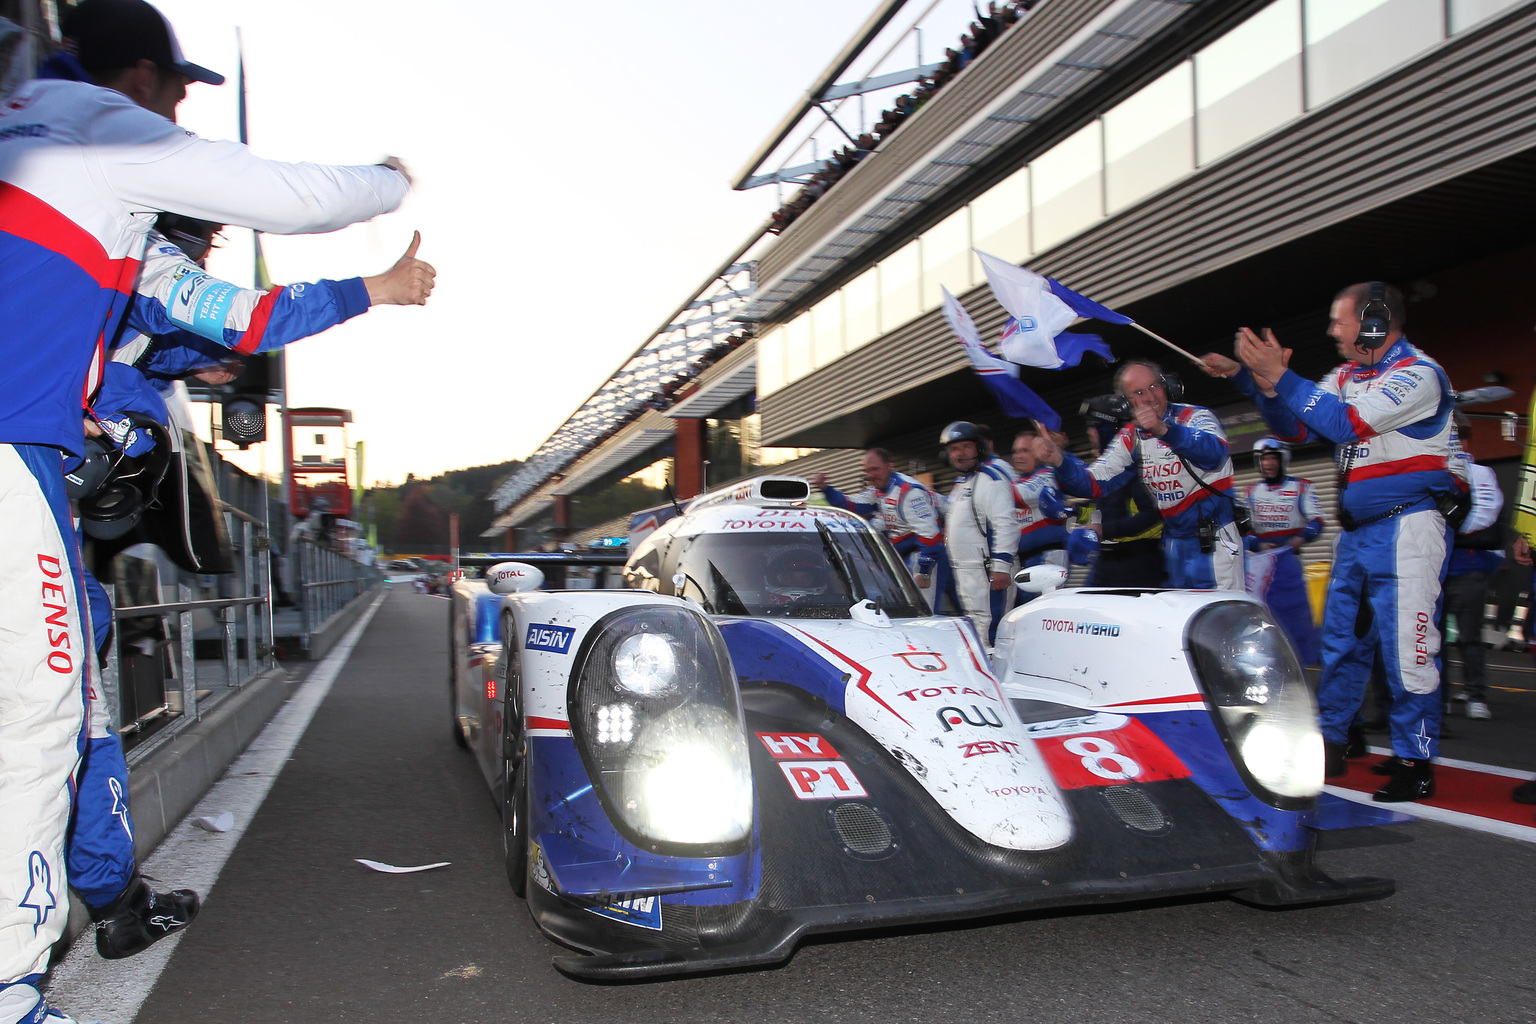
[[113, 489], [962, 430]]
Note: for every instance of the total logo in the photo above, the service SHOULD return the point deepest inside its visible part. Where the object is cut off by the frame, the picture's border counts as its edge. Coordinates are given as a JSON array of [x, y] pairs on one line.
[[981, 718]]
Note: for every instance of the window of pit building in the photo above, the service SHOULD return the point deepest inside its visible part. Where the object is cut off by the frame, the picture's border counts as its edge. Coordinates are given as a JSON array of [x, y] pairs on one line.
[[1248, 82], [827, 330], [947, 258], [770, 361], [1350, 42], [1149, 138], [1466, 13], [797, 348], [901, 285], [861, 309], [1066, 185], [1000, 222]]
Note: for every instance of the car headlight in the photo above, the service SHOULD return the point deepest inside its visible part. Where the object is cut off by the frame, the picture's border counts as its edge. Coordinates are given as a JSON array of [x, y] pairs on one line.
[[655, 712], [1264, 709]]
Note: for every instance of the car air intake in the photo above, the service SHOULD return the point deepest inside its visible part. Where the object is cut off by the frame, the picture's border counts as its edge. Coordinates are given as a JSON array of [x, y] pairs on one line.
[[1133, 806], [862, 830]]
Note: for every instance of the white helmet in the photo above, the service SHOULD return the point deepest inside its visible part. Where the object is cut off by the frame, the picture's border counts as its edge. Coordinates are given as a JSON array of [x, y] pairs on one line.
[[1273, 444]]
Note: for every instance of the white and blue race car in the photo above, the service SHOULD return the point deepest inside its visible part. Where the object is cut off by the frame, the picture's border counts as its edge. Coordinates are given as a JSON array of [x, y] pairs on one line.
[[770, 735]]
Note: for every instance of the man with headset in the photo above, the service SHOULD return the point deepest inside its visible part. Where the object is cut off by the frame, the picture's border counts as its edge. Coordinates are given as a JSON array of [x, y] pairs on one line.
[[1286, 515], [980, 529], [1388, 409], [1181, 454]]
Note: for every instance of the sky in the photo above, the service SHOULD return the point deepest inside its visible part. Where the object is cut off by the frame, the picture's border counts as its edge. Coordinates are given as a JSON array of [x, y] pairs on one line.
[[572, 186]]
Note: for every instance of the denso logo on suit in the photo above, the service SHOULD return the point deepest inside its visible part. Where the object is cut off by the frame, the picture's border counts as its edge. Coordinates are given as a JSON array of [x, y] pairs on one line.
[[543, 637]]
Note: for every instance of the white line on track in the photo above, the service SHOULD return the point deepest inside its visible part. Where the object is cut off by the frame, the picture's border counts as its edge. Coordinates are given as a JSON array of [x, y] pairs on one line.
[[1476, 823], [112, 991]]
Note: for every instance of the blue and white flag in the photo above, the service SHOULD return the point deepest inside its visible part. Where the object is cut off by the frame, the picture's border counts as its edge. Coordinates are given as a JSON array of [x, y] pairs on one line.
[[1040, 311], [1000, 376]]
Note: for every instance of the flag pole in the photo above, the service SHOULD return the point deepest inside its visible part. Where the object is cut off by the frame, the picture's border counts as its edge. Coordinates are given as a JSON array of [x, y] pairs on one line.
[[1192, 358]]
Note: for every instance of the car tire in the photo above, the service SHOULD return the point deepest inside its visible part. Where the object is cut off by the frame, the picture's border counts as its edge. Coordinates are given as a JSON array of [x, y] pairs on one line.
[[453, 687], [514, 825]]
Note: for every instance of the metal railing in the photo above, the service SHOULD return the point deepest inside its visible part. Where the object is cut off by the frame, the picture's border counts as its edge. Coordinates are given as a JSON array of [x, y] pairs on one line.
[[329, 581], [170, 653]]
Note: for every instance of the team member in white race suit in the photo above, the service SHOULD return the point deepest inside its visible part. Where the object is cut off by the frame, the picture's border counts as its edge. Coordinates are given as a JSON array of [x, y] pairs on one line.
[[83, 171], [1286, 515], [1039, 507], [1389, 410], [908, 512], [980, 528], [1201, 545]]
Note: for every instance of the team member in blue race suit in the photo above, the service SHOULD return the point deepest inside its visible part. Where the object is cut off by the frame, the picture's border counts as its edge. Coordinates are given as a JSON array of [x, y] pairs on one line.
[[1388, 410], [908, 512], [81, 164], [1181, 454], [1286, 515]]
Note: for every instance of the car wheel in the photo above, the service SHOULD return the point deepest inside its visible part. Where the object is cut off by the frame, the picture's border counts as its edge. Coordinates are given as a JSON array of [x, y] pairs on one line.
[[514, 822]]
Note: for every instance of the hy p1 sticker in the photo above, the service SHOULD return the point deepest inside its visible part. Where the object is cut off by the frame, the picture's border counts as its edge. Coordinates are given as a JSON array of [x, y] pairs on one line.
[[642, 912], [822, 780], [544, 637], [784, 745]]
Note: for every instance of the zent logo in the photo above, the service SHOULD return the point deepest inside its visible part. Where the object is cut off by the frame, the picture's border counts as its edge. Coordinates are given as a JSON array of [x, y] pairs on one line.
[[544, 637], [822, 780]]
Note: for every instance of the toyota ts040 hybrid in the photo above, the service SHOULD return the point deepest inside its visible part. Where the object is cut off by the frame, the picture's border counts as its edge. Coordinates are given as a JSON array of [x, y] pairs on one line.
[[770, 735]]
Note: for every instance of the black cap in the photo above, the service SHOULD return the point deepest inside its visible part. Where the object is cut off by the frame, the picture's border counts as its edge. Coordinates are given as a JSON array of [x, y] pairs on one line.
[[110, 34]]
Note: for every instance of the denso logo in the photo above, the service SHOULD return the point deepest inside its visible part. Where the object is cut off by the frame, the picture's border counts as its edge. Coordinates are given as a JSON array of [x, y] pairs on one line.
[[1421, 639], [542, 637], [979, 717], [1084, 628], [55, 616]]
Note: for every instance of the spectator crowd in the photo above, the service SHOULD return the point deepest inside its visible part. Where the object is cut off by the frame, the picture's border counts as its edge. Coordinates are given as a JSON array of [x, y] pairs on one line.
[[981, 34]]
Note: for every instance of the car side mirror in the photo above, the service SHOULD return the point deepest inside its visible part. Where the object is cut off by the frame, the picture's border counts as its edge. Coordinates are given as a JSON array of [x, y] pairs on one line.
[[514, 578], [1040, 579]]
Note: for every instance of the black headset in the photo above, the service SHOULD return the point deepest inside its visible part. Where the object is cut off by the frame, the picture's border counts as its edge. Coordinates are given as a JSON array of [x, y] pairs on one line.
[[1375, 318]]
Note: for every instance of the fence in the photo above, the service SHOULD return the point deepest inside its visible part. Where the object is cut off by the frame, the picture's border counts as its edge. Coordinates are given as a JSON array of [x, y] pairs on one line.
[[329, 581]]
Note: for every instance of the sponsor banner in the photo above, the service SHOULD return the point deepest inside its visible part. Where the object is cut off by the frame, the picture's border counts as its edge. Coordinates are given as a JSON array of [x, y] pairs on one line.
[[1131, 753], [822, 780]]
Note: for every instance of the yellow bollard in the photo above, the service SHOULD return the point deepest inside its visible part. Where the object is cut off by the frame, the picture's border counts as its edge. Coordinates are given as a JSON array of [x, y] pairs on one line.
[[1316, 575]]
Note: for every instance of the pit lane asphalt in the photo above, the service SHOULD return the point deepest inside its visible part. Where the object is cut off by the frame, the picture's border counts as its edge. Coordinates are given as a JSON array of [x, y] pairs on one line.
[[296, 931]]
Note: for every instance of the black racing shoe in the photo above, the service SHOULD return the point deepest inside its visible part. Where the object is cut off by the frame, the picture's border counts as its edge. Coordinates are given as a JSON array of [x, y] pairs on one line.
[[1387, 767], [1415, 780], [1525, 793], [141, 917], [1356, 745], [1333, 760]]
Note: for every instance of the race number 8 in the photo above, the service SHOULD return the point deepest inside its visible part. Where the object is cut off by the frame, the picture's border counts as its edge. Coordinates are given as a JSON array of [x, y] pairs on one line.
[[1102, 758]]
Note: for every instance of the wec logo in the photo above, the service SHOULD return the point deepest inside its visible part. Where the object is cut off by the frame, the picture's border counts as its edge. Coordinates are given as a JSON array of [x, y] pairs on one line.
[[543, 637]]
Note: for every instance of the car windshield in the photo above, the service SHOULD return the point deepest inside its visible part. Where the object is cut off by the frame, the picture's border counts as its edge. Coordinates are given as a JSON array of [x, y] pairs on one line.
[[816, 575]]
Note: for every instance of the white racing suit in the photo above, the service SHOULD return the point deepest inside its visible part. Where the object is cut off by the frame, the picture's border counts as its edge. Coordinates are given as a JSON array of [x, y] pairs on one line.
[[982, 534], [1392, 423], [83, 170], [909, 514], [1194, 444], [1281, 511]]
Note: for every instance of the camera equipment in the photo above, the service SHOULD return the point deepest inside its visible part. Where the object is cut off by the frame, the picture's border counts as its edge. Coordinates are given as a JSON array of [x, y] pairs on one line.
[[1107, 412], [1375, 318]]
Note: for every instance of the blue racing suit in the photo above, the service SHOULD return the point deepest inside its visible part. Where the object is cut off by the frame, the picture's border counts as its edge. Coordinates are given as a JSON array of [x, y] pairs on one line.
[[1282, 511], [80, 170], [1392, 424], [1194, 437], [1042, 514], [908, 512]]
